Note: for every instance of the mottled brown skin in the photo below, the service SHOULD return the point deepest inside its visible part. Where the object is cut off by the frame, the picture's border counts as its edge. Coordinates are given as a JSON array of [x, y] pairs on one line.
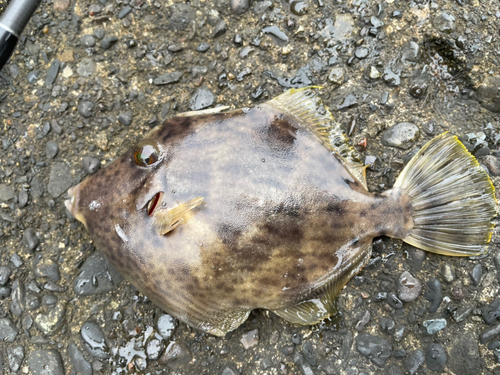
[[281, 216]]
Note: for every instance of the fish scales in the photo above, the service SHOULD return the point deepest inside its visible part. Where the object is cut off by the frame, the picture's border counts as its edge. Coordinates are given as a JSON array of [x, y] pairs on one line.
[[281, 218]]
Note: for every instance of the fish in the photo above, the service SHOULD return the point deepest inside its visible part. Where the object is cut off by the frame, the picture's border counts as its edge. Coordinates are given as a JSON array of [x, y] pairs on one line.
[[216, 213]]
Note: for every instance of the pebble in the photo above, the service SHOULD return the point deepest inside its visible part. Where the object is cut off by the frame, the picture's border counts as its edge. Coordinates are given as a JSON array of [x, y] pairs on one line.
[[23, 198], [448, 273], [402, 135], [491, 313], [52, 73], [18, 298], [33, 76], [410, 52], [124, 12], [435, 357], [203, 47], [464, 357], [375, 348], [276, 32], [5, 273], [262, 6], [374, 73], [108, 42], [45, 362], [46, 268], [387, 324], [250, 339], [96, 276], [361, 52], [94, 340], [181, 15], [413, 361], [87, 41], [489, 333], [60, 179], [434, 325], [296, 339], [81, 365], [394, 301], [86, 68], [6, 193], [30, 239], [488, 94], [415, 257], [15, 356], [399, 331], [220, 29], [167, 78], [433, 294], [166, 326], [239, 6], [409, 287], [202, 98], [462, 313], [51, 149], [337, 76], [90, 165], [154, 349], [477, 274], [85, 108], [349, 101], [492, 163], [4, 292], [125, 118], [8, 330], [50, 323], [176, 355], [444, 22], [61, 5], [363, 321], [230, 370]]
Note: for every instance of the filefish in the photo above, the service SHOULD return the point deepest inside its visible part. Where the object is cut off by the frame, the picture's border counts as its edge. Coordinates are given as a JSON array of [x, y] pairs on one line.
[[214, 214]]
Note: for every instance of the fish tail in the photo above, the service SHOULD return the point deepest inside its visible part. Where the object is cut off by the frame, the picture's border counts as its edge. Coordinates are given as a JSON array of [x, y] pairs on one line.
[[452, 197]]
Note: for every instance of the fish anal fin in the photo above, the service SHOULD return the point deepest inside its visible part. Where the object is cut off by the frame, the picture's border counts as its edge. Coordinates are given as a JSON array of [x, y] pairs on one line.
[[322, 304], [167, 219], [219, 323]]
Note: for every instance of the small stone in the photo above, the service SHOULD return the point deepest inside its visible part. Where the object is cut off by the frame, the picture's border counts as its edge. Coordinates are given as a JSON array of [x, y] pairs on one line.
[[94, 340], [435, 357], [363, 321], [125, 118], [61, 5], [361, 52], [337, 76], [230, 370], [51, 149], [202, 98], [18, 297], [399, 331], [296, 339], [239, 6], [167, 78], [45, 362], [374, 73], [488, 94], [394, 301], [410, 52], [46, 268], [261, 6], [413, 361], [87, 41], [489, 333], [108, 42], [81, 365], [52, 73], [30, 239], [60, 179], [448, 273], [491, 313], [52, 322], [349, 101], [154, 349], [416, 256], [434, 325], [85, 108], [176, 355], [86, 67], [250, 339], [409, 287], [124, 12], [375, 348], [90, 165], [6, 193], [203, 47], [492, 163], [4, 275], [67, 56], [15, 356], [444, 22], [8, 330], [477, 274], [464, 356], [33, 76], [220, 29], [96, 276], [402, 135], [462, 313], [433, 294], [387, 324], [23, 198], [166, 326]]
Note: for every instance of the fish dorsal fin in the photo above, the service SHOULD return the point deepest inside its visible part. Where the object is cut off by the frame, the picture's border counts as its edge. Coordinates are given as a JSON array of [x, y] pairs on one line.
[[322, 305], [306, 105], [167, 219]]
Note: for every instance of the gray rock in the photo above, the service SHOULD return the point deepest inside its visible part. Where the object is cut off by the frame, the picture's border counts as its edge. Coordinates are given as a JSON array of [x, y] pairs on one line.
[[435, 357], [109, 42], [365, 319], [8, 330], [250, 339], [181, 15], [448, 273], [18, 295], [124, 12], [239, 6], [154, 349], [51, 149], [176, 355], [444, 22], [90, 165], [86, 67], [230, 370], [46, 268], [45, 362], [15, 356], [476, 274], [409, 287], [167, 78], [30, 239], [433, 294], [464, 358], [337, 76], [202, 98], [85, 108], [52, 73], [434, 325], [219, 29], [37, 187], [402, 135], [87, 41], [50, 323], [361, 52], [166, 326], [375, 348], [488, 94], [413, 361], [6, 192], [491, 313], [489, 333], [125, 118], [33, 76], [349, 101], [23, 198], [81, 365], [60, 179], [97, 276], [262, 6], [4, 275], [94, 340], [492, 163]]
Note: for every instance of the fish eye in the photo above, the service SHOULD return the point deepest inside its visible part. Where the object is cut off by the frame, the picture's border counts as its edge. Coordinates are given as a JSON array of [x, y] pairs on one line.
[[145, 155]]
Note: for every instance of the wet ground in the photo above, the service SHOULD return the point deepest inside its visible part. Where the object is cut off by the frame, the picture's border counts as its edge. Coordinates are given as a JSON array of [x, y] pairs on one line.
[[90, 78]]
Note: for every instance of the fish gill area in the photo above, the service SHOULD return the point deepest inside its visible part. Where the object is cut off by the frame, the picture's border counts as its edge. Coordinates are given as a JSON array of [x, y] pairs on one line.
[[91, 77]]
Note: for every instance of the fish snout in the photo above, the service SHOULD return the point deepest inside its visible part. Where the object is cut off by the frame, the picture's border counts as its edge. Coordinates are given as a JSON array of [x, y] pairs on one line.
[[72, 203]]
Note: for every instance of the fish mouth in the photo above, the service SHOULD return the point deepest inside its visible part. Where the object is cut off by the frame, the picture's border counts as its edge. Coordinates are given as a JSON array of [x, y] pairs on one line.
[[154, 203]]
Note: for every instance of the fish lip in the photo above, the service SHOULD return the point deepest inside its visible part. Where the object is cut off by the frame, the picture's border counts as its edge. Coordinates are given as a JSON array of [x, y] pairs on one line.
[[71, 202]]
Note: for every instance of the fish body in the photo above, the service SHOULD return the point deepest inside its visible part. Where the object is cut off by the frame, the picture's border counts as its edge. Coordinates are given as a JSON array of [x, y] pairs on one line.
[[213, 215]]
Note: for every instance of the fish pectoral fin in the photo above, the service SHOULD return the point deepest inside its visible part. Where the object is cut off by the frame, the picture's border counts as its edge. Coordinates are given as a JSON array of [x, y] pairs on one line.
[[323, 301], [167, 220]]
